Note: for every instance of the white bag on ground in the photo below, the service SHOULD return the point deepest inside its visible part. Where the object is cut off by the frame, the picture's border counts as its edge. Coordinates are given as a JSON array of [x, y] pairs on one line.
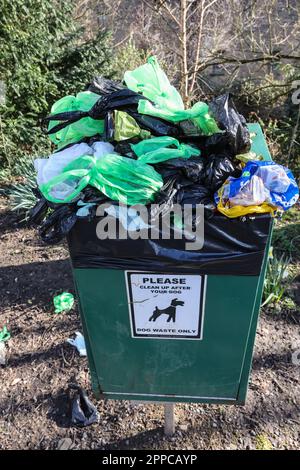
[[2, 354], [79, 343]]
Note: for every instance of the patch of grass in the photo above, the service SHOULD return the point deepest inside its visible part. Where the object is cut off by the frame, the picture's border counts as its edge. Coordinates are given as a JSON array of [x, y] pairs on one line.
[[286, 234], [275, 281], [262, 442], [21, 196], [289, 304], [283, 268]]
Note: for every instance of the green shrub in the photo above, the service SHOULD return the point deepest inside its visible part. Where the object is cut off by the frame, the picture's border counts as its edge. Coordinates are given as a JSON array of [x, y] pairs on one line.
[[43, 57], [21, 196], [128, 57], [286, 235]]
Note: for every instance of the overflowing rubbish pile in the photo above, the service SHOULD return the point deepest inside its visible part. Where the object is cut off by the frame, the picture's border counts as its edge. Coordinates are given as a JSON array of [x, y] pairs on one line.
[[135, 143]]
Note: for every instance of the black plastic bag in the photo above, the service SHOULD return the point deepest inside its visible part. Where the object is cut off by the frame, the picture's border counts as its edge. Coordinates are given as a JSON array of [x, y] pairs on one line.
[[164, 198], [38, 212], [92, 194], [86, 140], [178, 189], [60, 221], [120, 100], [197, 194], [189, 129], [192, 168], [109, 127], [231, 247], [155, 125], [104, 86], [237, 134], [58, 224], [83, 412], [217, 143], [125, 100], [217, 169], [123, 147]]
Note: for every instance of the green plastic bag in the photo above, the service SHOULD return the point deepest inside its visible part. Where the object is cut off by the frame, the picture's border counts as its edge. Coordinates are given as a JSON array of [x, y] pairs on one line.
[[4, 334], [85, 127], [152, 82], [199, 114], [126, 127], [156, 150], [63, 302], [119, 178]]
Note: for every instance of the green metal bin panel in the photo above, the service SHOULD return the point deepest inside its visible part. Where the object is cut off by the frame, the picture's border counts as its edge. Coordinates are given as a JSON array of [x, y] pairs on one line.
[[198, 369]]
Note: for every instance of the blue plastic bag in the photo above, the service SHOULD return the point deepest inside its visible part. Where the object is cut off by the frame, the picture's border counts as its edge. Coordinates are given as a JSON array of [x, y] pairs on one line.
[[279, 186]]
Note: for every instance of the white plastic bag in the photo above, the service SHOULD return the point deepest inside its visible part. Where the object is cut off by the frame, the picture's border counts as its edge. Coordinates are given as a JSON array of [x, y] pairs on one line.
[[274, 177], [79, 343], [2, 353], [47, 168], [102, 148], [253, 193]]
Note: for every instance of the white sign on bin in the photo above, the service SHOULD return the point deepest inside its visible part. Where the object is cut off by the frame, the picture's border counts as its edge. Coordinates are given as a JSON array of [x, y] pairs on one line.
[[166, 305]]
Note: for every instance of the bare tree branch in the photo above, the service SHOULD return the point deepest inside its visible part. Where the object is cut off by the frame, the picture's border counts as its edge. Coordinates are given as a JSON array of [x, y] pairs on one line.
[[294, 135], [183, 8]]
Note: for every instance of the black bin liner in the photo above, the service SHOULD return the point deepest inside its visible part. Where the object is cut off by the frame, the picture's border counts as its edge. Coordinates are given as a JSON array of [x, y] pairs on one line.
[[231, 247]]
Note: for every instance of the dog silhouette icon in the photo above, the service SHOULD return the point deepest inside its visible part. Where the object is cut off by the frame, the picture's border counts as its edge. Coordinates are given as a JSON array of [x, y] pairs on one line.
[[170, 311]]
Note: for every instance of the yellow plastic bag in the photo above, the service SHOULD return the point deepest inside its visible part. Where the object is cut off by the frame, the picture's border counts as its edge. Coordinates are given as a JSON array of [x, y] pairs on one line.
[[238, 211], [126, 127]]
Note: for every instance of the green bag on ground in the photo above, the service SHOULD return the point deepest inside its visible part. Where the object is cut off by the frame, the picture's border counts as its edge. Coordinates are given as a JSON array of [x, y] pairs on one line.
[[63, 302], [85, 127], [157, 150], [126, 127], [119, 178], [150, 80], [4, 334]]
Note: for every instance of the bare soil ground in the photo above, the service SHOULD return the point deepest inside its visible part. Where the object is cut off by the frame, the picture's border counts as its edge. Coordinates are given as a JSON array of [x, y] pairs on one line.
[[34, 404]]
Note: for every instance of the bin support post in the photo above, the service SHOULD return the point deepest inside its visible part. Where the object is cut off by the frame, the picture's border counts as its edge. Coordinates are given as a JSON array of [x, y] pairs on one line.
[[169, 419]]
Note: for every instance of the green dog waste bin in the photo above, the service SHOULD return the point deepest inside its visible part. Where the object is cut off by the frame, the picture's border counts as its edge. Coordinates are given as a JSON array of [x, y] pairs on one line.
[[158, 329]]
